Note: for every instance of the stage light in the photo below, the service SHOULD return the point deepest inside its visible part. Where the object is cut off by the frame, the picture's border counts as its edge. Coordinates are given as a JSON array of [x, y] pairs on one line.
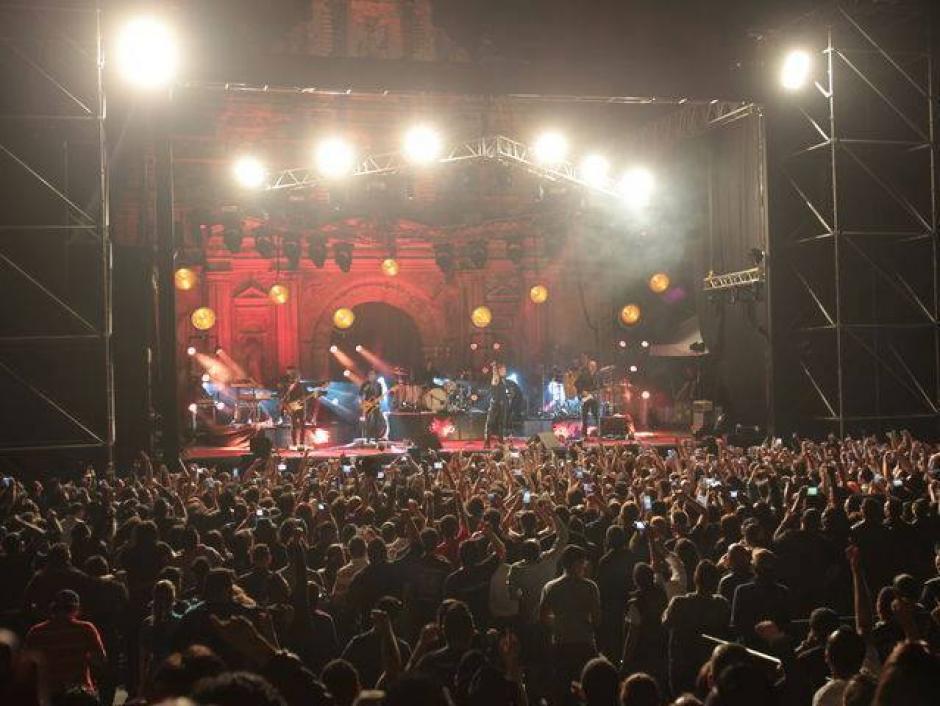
[[630, 314], [343, 318], [333, 349], [645, 344], [595, 170], [316, 250], [279, 294], [343, 255], [206, 377], [481, 316], [622, 344], [633, 369], [636, 187], [538, 294], [444, 257], [335, 158], [219, 351], [474, 346], [497, 345], [358, 349], [264, 244], [185, 279], [191, 351], [550, 148], [645, 394], [477, 255], [192, 407], [233, 236], [220, 405], [659, 282], [514, 377], [321, 436], [347, 373], [203, 318], [795, 71], [147, 52], [390, 266], [249, 172], [422, 145]]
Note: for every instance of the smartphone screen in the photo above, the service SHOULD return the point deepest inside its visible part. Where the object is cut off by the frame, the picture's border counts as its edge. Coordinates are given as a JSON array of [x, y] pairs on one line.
[[259, 512], [639, 525], [812, 491], [647, 502], [734, 493], [438, 465], [526, 497], [282, 466], [380, 475]]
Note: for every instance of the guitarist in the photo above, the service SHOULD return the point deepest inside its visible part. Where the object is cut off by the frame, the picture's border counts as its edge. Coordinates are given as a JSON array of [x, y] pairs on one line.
[[294, 392], [588, 386], [370, 397]]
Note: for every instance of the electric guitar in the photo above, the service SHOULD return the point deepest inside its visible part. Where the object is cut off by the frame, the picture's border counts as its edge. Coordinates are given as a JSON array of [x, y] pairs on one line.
[[295, 406], [368, 406]]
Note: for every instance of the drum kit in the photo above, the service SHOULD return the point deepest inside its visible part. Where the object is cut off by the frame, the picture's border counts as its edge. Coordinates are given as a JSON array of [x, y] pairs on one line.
[[563, 400], [445, 396]]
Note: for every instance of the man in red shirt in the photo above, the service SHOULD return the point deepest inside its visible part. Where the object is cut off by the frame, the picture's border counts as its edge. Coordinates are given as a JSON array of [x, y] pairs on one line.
[[69, 647]]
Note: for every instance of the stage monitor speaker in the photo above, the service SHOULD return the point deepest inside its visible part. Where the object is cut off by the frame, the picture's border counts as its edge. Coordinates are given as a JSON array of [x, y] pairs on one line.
[[614, 426], [550, 441], [469, 427], [534, 427]]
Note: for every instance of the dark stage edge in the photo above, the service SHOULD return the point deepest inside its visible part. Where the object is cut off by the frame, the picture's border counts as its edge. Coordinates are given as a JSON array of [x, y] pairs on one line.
[[657, 439]]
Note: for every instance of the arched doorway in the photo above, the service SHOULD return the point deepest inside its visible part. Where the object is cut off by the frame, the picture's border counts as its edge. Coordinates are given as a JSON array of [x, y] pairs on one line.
[[383, 329]]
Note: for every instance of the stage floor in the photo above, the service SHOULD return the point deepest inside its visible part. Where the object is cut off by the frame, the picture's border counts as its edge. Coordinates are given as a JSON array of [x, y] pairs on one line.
[[659, 439]]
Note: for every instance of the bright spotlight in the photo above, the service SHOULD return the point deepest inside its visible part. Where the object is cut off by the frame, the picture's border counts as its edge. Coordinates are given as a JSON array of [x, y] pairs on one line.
[[633, 369], [192, 407], [514, 377], [335, 158], [358, 349], [595, 170], [220, 405], [334, 348], [191, 350], [636, 187], [147, 53], [645, 394], [622, 343], [794, 74], [206, 377], [422, 145], [347, 373], [550, 148], [645, 344], [249, 172], [474, 346], [496, 346]]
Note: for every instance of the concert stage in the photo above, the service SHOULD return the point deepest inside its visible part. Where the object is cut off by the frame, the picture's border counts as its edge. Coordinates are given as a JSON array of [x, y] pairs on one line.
[[655, 439]]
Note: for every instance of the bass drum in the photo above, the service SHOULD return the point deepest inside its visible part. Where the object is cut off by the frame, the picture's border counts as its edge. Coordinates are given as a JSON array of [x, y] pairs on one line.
[[435, 400]]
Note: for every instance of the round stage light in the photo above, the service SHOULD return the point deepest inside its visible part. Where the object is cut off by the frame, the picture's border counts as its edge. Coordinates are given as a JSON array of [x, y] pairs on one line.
[[538, 294], [474, 346], [185, 279], [147, 52], [279, 294], [659, 282], [358, 349], [334, 348], [192, 407], [347, 373], [595, 170], [630, 314], [191, 350], [645, 344], [795, 71], [343, 318], [622, 343], [422, 145], [220, 405], [249, 172], [390, 266], [633, 369], [645, 394], [497, 345], [203, 318], [550, 148], [636, 187], [335, 158], [481, 316]]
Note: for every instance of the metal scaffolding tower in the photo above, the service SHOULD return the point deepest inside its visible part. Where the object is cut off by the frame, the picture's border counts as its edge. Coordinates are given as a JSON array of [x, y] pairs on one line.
[[55, 254], [855, 216]]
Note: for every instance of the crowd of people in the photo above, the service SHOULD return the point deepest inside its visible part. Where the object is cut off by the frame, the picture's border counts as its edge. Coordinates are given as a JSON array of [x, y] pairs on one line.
[[792, 574]]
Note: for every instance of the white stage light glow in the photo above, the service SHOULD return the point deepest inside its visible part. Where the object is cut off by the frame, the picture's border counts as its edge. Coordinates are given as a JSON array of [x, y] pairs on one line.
[[636, 187], [147, 53], [249, 172], [795, 71], [335, 158], [550, 148], [595, 170], [422, 145]]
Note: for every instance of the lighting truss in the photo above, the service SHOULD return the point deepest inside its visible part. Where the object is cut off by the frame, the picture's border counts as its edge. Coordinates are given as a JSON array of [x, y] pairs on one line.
[[498, 148], [734, 280], [55, 261], [857, 226]]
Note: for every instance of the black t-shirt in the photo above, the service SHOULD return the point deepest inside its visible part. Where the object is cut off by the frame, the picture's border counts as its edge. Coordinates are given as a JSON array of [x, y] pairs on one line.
[[370, 390], [364, 652], [472, 586]]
